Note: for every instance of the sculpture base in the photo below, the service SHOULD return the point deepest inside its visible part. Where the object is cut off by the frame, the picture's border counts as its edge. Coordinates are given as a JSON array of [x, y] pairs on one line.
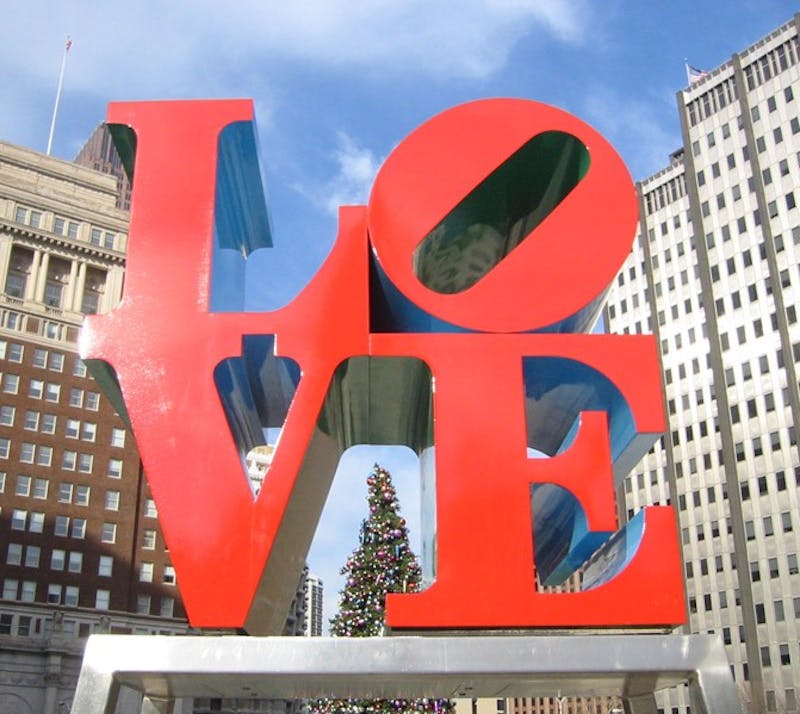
[[164, 669]]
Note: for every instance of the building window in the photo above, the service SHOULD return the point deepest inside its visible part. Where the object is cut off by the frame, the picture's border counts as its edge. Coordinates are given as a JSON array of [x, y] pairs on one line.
[[36, 389], [10, 383], [5, 448], [761, 617], [75, 562], [109, 533], [82, 495], [92, 401], [79, 369], [69, 460], [40, 488], [27, 452], [19, 519], [44, 455], [23, 487], [14, 554], [777, 606], [102, 600], [150, 510], [169, 575], [146, 573], [149, 539], [115, 468], [78, 528], [48, 424], [73, 427], [40, 358], [65, 493], [85, 462], [56, 362], [167, 606], [58, 559], [112, 501], [10, 588], [88, 431], [15, 285], [53, 392], [31, 422], [117, 437], [143, 604], [784, 652], [7, 415], [52, 294], [36, 524], [32, 555], [71, 595], [15, 352], [105, 566], [62, 526], [76, 397]]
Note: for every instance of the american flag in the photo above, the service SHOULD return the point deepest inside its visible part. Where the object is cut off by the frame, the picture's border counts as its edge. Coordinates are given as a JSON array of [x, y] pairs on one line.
[[694, 74], [68, 45]]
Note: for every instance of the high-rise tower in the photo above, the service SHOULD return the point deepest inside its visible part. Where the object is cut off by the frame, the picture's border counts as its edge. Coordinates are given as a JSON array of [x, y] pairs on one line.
[[714, 274]]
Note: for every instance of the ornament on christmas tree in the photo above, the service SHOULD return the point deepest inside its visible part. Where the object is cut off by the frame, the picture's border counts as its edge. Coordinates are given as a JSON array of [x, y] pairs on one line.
[[382, 563]]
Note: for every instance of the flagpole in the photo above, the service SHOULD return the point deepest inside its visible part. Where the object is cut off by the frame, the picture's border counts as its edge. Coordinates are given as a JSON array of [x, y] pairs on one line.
[[67, 45]]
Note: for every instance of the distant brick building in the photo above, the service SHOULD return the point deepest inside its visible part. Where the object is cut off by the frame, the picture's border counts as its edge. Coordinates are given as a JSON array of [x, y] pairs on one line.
[[80, 546], [98, 153]]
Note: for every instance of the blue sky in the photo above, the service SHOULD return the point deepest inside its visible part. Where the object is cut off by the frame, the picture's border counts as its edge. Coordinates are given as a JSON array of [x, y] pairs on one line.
[[338, 84]]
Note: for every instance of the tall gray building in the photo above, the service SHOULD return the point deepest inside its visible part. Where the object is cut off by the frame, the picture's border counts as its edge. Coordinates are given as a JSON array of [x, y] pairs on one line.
[[314, 598], [714, 274]]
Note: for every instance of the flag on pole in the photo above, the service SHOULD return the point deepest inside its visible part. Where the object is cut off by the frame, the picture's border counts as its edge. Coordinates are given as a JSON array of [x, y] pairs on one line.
[[693, 74], [67, 45]]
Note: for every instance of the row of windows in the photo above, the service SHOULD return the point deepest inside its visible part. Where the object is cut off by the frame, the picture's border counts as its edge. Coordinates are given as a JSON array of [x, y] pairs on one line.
[[772, 63], [666, 193], [51, 392], [46, 424], [42, 455], [67, 527], [144, 605], [72, 562], [772, 564], [768, 528], [63, 227], [19, 322], [70, 595], [710, 102], [783, 653], [38, 488], [757, 444]]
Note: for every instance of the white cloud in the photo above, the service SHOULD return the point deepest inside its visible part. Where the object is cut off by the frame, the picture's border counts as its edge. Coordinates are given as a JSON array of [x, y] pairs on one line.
[[356, 169], [642, 129], [202, 48], [167, 46]]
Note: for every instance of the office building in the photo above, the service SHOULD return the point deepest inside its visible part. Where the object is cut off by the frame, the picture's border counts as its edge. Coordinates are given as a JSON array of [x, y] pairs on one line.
[[99, 153], [313, 606], [80, 546], [714, 275]]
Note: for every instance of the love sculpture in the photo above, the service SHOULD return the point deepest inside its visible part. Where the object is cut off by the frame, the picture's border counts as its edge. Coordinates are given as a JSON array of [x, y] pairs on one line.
[[450, 316]]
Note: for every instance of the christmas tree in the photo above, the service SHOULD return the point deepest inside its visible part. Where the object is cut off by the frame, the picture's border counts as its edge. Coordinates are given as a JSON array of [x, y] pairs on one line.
[[382, 563]]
